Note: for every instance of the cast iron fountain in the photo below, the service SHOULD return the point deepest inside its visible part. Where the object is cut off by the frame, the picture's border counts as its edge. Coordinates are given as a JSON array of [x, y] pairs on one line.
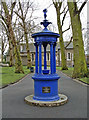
[[45, 81]]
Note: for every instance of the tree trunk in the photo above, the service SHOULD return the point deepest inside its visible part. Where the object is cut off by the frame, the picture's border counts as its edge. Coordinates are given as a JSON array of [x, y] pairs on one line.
[[27, 47], [2, 51], [18, 62], [80, 67], [63, 58], [2, 58], [11, 54], [23, 24]]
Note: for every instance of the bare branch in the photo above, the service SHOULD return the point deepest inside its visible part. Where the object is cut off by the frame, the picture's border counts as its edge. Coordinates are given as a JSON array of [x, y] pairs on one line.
[[64, 17], [57, 5], [12, 7], [63, 10], [21, 24], [83, 4], [3, 19], [21, 9], [69, 42], [49, 6], [4, 25], [5, 8], [66, 29], [60, 4], [15, 22], [27, 9], [18, 15]]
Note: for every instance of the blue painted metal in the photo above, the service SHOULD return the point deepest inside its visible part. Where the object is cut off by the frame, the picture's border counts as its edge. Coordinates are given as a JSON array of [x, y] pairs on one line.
[[52, 96], [51, 58], [45, 81], [54, 56], [45, 65], [36, 59], [45, 22], [45, 11], [45, 71], [40, 59]]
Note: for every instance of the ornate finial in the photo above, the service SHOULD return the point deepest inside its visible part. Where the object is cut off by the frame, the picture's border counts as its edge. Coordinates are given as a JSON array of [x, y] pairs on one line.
[[45, 22], [45, 11]]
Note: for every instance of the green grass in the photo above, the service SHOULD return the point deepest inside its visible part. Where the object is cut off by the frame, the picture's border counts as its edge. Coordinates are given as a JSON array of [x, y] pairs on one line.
[[9, 76], [69, 72], [86, 80]]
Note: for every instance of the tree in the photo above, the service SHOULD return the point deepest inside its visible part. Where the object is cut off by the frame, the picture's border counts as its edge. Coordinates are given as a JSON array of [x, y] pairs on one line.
[[8, 21], [23, 16], [80, 67], [4, 41], [3, 44], [57, 6]]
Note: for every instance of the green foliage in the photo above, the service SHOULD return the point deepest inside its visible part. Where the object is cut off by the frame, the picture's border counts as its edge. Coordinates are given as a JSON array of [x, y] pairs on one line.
[[9, 76]]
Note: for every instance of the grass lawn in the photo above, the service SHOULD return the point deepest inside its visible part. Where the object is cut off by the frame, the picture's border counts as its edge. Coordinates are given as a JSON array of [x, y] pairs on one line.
[[86, 80], [69, 73], [9, 76]]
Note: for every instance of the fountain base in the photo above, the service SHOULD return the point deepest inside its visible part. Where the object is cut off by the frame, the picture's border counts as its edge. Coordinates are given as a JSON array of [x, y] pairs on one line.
[[63, 99]]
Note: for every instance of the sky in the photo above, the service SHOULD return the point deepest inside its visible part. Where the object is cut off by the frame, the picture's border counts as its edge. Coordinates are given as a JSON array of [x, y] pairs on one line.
[[51, 15]]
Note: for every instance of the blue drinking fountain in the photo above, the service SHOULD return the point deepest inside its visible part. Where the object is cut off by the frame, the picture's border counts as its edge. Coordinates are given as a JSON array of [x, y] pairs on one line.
[[45, 81]]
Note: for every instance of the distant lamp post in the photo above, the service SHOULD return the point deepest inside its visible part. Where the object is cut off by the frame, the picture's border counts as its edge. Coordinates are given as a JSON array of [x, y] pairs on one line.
[[45, 81]]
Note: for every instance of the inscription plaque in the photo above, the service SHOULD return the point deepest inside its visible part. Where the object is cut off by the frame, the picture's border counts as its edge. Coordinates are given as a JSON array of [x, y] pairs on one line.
[[45, 89]]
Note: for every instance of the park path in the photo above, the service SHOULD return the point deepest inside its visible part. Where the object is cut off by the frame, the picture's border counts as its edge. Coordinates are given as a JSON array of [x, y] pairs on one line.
[[13, 105]]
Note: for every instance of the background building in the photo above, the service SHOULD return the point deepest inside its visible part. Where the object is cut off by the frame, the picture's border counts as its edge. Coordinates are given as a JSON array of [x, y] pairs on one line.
[[68, 53]]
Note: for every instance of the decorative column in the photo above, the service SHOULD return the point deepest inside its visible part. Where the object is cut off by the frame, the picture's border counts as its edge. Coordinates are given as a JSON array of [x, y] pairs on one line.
[[40, 58], [36, 59], [51, 58], [45, 64], [54, 56]]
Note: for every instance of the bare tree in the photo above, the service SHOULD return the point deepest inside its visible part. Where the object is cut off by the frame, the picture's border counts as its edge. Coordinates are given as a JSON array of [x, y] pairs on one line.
[[58, 5], [4, 43], [6, 34], [8, 21], [80, 67], [27, 25]]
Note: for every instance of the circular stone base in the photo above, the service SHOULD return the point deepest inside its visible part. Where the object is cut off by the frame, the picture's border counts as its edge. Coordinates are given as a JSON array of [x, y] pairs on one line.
[[63, 99]]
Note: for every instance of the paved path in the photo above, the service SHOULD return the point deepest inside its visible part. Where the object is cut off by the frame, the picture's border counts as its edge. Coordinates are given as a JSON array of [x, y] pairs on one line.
[[15, 107]]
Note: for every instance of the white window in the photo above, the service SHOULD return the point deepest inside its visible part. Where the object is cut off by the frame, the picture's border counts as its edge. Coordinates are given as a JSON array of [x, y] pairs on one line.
[[60, 56], [72, 57], [69, 56], [21, 48]]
